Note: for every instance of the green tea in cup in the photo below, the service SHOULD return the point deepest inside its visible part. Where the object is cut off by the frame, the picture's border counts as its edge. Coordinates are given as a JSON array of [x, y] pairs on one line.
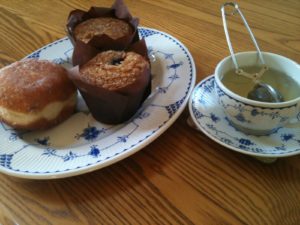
[[241, 85]]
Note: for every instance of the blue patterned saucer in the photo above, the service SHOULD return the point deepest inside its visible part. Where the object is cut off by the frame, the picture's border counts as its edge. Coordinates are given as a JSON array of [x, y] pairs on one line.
[[209, 117], [81, 144]]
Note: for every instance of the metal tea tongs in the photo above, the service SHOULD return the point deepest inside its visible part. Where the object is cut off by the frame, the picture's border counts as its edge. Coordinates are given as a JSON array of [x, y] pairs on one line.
[[261, 91]]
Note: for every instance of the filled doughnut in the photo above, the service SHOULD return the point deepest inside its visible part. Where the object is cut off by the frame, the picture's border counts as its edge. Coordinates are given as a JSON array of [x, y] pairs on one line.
[[35, 94]]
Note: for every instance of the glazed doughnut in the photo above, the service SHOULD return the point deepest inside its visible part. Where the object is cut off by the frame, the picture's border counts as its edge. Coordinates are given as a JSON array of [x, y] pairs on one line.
[[35, 94], [112, 27]]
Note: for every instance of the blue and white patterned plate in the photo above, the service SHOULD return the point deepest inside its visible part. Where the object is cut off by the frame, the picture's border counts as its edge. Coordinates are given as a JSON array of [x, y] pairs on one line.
[[81, 144], [209, 117]]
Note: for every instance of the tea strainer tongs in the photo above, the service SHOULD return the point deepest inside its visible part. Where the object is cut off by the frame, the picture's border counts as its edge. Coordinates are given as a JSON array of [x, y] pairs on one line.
[[261, 91]]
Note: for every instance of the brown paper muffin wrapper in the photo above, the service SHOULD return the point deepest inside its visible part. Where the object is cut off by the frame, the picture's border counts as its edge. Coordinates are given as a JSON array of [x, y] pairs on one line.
[[101, 42], [113, 107]]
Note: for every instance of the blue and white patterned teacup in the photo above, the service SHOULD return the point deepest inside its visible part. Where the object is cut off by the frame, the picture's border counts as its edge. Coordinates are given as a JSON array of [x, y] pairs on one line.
[[254, 117]]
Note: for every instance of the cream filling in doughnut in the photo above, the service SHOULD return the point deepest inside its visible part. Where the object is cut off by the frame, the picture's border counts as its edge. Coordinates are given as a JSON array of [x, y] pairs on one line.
[[49, 112]]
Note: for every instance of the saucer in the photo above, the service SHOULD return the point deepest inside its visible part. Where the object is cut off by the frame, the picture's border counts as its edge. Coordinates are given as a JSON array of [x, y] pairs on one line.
[[209, 117]]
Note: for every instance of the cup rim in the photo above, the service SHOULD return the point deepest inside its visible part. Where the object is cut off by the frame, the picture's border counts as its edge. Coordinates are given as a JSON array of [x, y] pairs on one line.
[[249, 101]]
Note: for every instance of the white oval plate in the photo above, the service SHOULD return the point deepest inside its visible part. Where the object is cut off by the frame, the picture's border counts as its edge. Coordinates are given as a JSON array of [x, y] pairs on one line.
[[209, 117], [81, 144]]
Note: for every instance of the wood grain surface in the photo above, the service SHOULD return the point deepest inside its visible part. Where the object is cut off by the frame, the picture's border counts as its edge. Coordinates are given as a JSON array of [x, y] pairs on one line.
[[183, 177]]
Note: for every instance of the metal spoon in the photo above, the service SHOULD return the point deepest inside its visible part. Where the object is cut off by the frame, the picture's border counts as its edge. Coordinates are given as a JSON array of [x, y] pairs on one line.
[[261, 91]]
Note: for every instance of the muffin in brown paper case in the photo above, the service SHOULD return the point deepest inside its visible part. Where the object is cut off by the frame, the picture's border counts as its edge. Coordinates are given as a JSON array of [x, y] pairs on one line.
[[117, 102], [102, 42]]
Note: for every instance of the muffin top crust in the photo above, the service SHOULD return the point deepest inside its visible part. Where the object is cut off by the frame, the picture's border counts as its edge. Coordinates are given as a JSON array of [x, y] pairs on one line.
[[112, 27], [113, 70]]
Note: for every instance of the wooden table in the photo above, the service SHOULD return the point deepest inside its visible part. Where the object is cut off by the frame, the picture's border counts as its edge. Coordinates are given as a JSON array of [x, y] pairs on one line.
[[183, 177]]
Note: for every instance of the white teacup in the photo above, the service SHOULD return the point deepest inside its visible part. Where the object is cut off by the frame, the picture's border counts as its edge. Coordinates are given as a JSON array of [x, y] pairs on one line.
[[254, 117]]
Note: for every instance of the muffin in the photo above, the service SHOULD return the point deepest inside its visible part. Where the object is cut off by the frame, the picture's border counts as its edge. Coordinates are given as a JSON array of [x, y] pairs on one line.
[[35, 94], [112, 27], [114, 84], [114, 70], [101, 29]]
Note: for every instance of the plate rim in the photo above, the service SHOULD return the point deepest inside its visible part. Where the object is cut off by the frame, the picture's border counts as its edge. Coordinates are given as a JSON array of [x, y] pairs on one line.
[[125, 154], [266, 155]]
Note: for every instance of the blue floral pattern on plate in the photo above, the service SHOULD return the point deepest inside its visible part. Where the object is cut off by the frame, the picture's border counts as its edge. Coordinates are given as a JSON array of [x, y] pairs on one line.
[[210, 118], [81, 144]]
